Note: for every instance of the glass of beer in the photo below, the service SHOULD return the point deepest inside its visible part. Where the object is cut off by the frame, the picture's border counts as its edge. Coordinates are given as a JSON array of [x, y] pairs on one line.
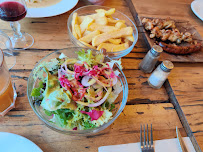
[[6, 46], [7, 91]]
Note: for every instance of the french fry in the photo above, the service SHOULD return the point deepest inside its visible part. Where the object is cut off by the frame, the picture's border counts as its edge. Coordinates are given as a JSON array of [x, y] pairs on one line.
[[102, 28], [86, 32], [101, 20], [113, 47], [107, 13], [78, 31], [110, 11], [130, 38], [114, 21], [88, 38], [93, 16], [112, 34], [74, 21], [80, 19], [100, 14], [126, 40], [88, 45], [115, 41], [85, 23], [120, 25], [110, 17]]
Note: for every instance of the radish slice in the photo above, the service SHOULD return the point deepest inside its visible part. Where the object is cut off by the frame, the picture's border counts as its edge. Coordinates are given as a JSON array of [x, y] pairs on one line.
[[102, 100], [94, 114], [75, 128]]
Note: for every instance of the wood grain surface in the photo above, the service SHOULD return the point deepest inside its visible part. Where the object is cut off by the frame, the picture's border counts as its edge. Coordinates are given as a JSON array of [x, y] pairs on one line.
[[181, 23], [187, 84], [145, 105], [186, 78]]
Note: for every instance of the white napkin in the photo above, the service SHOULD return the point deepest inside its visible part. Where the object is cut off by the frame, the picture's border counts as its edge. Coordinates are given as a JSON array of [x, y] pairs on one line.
[[167, 145]]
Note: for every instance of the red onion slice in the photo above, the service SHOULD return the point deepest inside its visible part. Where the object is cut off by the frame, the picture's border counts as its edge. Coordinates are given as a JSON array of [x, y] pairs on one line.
[[115, 80], [99, 102], [85, 81], [102, 100]]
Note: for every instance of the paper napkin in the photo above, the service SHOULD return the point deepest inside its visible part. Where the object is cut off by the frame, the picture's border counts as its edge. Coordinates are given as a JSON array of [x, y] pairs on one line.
[[167, 145]]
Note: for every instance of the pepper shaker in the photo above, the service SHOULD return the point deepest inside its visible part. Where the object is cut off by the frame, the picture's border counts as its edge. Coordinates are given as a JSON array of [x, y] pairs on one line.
[[151, 58], [160, 74]]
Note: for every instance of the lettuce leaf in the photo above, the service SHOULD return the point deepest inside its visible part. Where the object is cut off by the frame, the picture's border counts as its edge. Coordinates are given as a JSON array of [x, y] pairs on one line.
[[57, 99], [89, 58], [36, 92], [61, 116], [112, 62], [99, 58], [103, 119], [86, 57], [88, 125]]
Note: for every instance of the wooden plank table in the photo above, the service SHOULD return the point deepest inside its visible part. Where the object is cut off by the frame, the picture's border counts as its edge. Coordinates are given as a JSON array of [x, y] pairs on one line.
[[145, 105], [187, 78]]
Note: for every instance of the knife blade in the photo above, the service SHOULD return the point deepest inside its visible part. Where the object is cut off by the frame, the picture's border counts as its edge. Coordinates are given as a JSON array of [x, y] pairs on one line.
[[180, 139]]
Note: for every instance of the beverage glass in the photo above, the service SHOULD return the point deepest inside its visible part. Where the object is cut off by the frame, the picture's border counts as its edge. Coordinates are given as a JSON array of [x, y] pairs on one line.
[[13, 11], [7, 91], [6, 46]]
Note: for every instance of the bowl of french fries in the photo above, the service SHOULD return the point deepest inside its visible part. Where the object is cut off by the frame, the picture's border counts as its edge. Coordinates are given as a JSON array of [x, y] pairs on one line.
[[99, 27]]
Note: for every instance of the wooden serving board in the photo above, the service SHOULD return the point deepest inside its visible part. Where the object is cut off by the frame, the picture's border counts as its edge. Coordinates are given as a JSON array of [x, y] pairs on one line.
[[182, 26]]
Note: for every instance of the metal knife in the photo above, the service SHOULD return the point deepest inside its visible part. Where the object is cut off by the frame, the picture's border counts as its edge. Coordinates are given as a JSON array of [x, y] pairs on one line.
[[180, 139]]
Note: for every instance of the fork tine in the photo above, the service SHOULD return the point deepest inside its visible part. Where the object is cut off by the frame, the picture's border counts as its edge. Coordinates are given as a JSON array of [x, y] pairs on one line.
[[144, 138], [151, 136], [141, 143], [147, 136]]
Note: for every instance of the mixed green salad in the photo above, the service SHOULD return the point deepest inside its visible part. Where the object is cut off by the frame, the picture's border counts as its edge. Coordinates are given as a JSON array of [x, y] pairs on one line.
[[78, 93]]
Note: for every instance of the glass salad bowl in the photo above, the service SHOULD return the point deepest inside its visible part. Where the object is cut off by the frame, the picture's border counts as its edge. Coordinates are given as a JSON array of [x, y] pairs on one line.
[[90, 9], [33, 82]]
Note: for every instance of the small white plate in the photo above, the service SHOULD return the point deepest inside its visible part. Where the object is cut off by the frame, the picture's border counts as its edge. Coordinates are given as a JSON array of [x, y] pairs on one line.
[[14, 143], [53, 10], [197, 8]]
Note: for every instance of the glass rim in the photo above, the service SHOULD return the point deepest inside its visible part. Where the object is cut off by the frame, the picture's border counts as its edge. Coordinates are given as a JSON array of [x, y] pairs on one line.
[[1, 57]]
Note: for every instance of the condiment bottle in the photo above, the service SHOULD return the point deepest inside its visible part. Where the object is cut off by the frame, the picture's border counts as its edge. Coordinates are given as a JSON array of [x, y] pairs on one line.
[[148, 63], [160, 74]]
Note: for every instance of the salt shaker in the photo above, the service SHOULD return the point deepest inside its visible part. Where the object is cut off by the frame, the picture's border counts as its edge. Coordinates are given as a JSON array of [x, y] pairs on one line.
[[160, 74], [151, 58]]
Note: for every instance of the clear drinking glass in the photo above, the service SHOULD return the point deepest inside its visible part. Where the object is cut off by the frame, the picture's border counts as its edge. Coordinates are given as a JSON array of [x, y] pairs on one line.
[[6, 46], [13, 11], [96, 2], [7, 91]]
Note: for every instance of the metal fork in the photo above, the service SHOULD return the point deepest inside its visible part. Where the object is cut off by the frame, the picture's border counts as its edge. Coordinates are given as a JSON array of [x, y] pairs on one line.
[[146, 146]]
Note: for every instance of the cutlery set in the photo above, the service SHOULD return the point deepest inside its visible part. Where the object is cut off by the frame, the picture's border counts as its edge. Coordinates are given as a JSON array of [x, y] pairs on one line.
[[147, 145]]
